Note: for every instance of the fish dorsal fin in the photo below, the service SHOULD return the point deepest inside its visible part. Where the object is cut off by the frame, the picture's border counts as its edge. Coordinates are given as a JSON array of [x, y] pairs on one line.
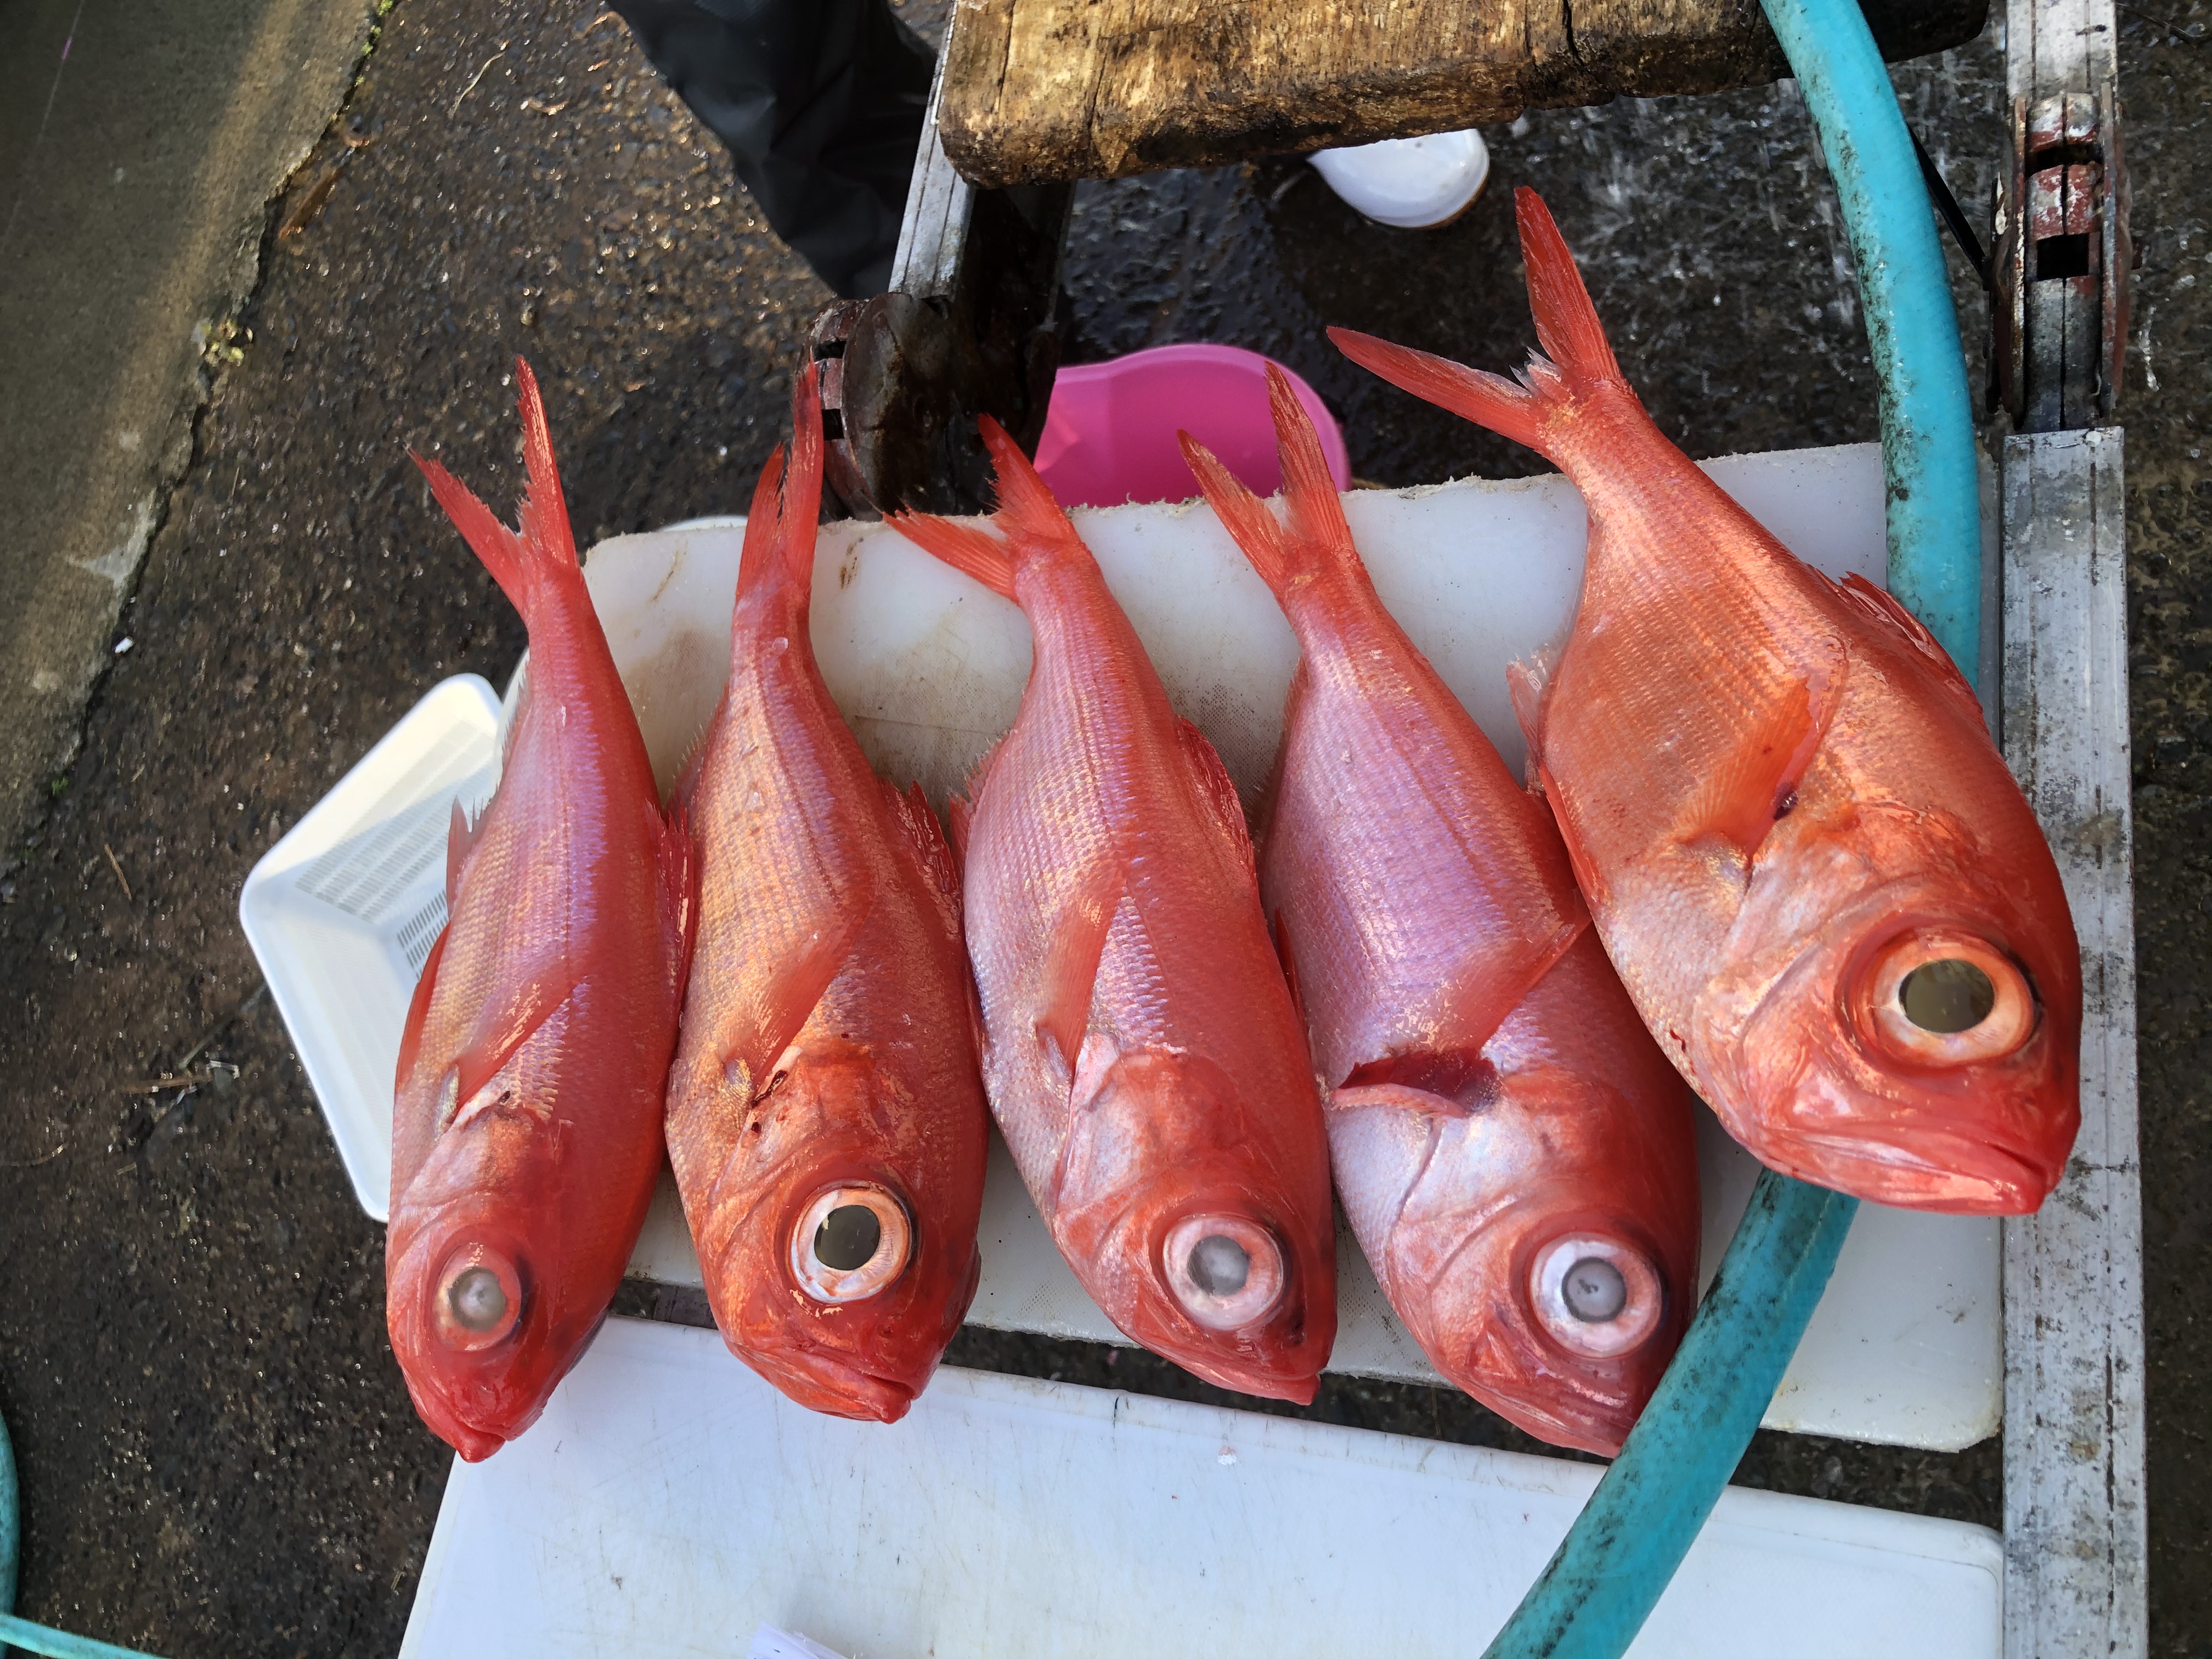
[[677, 866], [959, 813], [1217, 791], [1528, 683], [418, 1010], [461, 838], [1278, 929], [919, 827], [1754, 784], [1884, 607]]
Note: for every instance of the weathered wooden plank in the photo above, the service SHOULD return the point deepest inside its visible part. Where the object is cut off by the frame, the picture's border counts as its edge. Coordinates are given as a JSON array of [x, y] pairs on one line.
[[1046, 89], [2073, 1425]]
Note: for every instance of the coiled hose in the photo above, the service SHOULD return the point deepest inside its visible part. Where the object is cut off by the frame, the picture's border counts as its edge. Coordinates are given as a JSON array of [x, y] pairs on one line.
[[21, 1632], [1624, 1548]]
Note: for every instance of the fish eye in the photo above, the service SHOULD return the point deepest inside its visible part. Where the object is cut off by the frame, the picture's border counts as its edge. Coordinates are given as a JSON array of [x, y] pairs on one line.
[[1224, 1270], [478, 1301], [1943, 998], [1946, 996], [479, 1298], [1595, 1296], [850, 1242]]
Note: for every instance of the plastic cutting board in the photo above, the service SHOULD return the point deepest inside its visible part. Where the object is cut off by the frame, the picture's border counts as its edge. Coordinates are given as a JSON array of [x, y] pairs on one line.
[[669, 1501], [1906, 1347]]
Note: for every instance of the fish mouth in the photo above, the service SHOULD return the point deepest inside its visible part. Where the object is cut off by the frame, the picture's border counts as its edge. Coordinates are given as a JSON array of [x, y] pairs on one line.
[[473, 1442], [1953, 1175], [831, 1386]]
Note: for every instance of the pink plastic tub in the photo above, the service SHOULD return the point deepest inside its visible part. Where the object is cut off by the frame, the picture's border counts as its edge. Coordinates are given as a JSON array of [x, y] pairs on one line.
[[1110, 433]]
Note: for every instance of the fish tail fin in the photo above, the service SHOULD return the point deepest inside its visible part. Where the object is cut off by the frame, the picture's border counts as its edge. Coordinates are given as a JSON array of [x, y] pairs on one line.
[[968, 548], [542, 548], [1579, 356], [786, 505], [1316, 537], [1243, 515], [1566, 322], [1033, 522], [1507, 409]]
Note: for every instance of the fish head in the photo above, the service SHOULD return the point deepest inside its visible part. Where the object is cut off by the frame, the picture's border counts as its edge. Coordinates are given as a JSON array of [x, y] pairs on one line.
[[1523, 1251], [1184, 1228], [826, 1275], [483, 1321], [1902, 1013]]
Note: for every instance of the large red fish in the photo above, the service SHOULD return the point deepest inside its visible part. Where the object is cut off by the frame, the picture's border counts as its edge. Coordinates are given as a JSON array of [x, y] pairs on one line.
[[1143, 1057], [526, 1120], [1828, 897], [1516, 1158], [825, 1114]]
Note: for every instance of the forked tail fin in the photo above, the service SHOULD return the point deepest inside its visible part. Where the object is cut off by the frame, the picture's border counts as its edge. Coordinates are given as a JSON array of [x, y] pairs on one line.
[[1032, 520], [1579, 358], [520, 560], [1316, 537], [787, 509]]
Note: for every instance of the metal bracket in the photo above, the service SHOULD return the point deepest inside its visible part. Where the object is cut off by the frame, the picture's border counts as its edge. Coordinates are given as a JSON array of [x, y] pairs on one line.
[[967, 328], [2059, 308]]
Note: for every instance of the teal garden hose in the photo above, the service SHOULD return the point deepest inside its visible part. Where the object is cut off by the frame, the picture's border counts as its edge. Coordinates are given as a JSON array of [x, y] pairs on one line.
[[21, 1633], [1624, 1548]]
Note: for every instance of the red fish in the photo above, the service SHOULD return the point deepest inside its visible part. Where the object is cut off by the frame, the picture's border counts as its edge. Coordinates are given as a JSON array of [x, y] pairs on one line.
[[526, 1120], [1142, 1052], [1826, 893], [825, 1113], [1516, 1156]]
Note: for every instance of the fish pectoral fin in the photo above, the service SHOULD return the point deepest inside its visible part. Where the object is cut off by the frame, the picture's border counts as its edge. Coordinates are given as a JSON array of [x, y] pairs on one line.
[[1217, 791], [1754, 785], [1078, 945], [1397, 1097], [768, 1022], [497, 1042]]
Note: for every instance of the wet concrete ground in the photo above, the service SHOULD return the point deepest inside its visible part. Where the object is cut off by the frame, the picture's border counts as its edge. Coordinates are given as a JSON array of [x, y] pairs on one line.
[[216, 1451]]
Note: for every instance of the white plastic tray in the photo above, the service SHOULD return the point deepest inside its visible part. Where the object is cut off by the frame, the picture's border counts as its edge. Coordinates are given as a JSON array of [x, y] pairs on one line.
[[1905, 1346], [669, 1501]]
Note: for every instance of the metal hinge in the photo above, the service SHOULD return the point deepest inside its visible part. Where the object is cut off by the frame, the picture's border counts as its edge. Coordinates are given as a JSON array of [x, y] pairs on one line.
[[2059, 299]]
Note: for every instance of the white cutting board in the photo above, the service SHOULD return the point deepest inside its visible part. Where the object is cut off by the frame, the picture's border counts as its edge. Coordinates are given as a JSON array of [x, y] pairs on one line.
[[669, 1501], [1904, 1349]]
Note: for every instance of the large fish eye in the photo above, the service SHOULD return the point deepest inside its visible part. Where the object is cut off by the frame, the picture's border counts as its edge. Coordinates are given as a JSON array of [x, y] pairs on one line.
[[477, 1300], [1943, 998], [1224, 1270], [850, 1242], [1595, 1296]]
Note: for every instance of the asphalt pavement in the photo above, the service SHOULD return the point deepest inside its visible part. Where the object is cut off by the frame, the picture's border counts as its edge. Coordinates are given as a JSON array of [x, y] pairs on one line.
[[217, 1454]]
